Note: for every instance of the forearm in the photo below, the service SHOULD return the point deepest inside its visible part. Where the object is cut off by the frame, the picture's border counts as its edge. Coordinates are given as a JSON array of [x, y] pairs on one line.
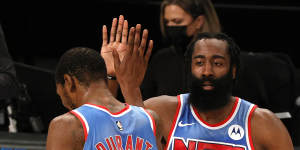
[[113, 86], [132, 95]]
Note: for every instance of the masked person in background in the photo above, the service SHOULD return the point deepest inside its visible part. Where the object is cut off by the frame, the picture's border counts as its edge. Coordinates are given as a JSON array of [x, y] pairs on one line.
[[180, 20]]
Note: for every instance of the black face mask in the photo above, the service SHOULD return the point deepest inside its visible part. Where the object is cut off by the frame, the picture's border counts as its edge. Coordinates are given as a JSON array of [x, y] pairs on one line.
[[176, 36]]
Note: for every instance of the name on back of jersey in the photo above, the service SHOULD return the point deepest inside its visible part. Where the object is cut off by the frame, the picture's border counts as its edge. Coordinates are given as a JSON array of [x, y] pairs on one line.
[[116, 143]]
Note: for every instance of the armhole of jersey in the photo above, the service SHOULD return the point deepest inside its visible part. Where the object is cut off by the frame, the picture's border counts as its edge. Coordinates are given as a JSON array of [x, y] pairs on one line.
[[249, 141], [152, 121], [174, 122], [83, 122]]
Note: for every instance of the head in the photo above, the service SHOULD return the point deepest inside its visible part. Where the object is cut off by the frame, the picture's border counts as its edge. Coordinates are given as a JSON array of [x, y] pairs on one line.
[[77, 69], [183, 19], [213, 64]]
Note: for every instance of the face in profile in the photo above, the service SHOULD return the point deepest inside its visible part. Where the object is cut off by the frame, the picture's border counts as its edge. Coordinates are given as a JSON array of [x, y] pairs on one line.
[[65, 98], [211, 75]]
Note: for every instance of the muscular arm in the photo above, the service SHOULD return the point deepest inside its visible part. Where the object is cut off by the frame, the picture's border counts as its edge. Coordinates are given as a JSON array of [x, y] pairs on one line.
[[65, 133], [268, 132], [158, 128], [165, 107]]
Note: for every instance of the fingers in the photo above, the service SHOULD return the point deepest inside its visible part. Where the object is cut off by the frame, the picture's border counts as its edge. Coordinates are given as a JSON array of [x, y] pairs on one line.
[[143, 42], [125, 32], [137, 38], [131, 40], [104, 35], [120, 27], [149, 51], [113, 30]]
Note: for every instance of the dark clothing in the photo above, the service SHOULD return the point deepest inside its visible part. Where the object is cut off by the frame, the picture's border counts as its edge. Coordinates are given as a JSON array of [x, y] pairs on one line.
[[7, 70], [266, 79], [165, 74]]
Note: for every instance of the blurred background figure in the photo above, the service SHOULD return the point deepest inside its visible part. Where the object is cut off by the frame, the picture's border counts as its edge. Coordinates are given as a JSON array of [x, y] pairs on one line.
[[8, 87], [7, 70]]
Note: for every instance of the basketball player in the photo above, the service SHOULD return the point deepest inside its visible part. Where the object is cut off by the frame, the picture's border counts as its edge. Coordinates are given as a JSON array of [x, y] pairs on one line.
[[209, 117], [96, 119]]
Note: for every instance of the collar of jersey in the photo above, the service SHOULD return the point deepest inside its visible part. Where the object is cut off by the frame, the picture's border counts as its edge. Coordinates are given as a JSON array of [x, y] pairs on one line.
[[103, 108], [220, 124]]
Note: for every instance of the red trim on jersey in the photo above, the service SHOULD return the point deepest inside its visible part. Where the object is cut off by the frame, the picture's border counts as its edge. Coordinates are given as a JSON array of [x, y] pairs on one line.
[[82, 122], [249, 126], [174, 121], [153, 121], [222, 122], [116, 113]]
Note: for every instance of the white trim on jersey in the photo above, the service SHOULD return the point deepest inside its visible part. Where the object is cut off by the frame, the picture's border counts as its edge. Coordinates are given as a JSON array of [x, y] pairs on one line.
[[175, 125], [220, 126], [149, 117], [104, 110], [247, 128], [84, 120]]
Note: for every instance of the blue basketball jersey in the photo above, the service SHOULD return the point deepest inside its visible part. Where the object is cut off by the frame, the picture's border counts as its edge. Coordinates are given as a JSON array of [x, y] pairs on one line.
[[190, 132], [132, 128]]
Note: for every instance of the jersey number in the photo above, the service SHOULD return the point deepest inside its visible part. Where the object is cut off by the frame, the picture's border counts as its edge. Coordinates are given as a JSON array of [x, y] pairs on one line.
[[179, 144]]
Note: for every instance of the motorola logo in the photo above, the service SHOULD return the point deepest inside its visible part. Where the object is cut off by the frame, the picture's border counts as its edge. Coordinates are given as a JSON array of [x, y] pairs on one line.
[[236, 132]]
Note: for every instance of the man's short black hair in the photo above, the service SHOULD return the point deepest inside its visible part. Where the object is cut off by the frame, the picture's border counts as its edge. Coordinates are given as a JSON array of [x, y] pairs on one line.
[[83, 63], [232, 49]]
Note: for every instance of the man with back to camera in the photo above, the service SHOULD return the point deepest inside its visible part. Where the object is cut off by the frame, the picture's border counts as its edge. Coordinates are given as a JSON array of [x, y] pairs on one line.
[[97, 120], [208, 117]]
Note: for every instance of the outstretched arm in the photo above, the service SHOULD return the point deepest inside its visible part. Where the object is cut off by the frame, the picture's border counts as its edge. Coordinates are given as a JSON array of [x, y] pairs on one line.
[[268, 132], [131, 70]]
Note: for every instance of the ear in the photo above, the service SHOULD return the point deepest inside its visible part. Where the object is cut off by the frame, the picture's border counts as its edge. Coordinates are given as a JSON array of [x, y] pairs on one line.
[[69, 83], [234, 71], [199, 21]]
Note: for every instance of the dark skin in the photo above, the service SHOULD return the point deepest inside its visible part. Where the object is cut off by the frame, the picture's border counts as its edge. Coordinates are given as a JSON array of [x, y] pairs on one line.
[[209, 58], [66, 131]]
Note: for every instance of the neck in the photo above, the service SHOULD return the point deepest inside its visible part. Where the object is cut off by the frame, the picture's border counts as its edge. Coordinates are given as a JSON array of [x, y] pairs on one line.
[[217, 115], [98, 93]]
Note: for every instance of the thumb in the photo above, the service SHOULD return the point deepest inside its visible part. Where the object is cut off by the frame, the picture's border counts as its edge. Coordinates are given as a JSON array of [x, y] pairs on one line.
[[117, 60]]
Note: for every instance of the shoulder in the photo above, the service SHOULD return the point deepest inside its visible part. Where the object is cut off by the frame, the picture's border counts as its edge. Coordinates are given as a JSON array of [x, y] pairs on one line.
[[66, 118], [264, 116], [65, 123], [65, 131], [164, 106], [265, 126], [163, 101]]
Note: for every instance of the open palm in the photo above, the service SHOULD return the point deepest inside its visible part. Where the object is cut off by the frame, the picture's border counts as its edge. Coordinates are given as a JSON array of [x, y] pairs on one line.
[[117, 41]]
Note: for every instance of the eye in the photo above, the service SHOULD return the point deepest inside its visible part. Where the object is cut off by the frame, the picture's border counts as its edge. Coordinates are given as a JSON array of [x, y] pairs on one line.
[[199, 63], [219, 64], [177, 21]]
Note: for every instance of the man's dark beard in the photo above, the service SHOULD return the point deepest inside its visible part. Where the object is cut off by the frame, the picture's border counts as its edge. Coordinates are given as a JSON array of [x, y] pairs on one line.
[[206, 100]]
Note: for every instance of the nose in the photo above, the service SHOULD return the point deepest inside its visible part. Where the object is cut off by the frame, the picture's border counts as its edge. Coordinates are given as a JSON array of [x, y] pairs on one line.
[[207, 70]]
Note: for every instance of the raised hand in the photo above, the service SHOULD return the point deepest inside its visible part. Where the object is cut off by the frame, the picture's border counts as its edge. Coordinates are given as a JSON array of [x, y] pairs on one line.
[[131, 70], [117, 41]]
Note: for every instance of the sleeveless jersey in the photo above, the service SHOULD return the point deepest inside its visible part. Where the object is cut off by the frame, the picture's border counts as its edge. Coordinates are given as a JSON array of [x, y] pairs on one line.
[[132, 128], [190, 132]]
